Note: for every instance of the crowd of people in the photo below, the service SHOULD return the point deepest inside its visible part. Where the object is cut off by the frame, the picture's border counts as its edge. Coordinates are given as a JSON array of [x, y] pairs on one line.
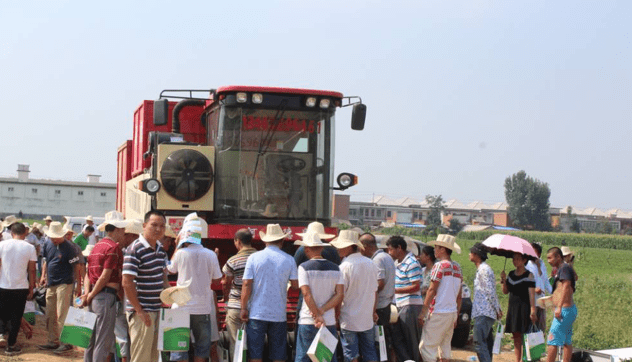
[[347, 285]]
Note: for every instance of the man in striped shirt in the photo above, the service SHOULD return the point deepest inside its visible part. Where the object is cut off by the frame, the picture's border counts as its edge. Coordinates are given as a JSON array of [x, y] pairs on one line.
[[407, 299], [232, 282], [144, 277]]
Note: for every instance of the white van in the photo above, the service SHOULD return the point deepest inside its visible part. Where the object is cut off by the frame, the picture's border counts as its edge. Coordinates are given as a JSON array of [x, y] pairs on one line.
[[76, 223]]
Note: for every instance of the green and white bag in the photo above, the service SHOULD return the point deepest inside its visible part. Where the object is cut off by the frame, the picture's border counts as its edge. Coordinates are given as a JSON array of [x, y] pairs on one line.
[[241, 347], [498, 340], [173, 330], [323, 347], [29, 312], [78, 327], [534, 345], [381, 339]]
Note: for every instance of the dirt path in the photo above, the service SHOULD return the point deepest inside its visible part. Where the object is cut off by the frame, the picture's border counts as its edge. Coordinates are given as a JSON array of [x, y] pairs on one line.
[[30, 352]]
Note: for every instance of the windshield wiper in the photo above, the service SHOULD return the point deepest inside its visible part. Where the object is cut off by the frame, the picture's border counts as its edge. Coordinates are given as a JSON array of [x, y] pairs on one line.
[[265, 141]]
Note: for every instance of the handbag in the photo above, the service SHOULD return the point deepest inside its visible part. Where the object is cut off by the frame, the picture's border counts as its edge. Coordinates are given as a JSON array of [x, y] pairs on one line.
[[381, 340], [174, 330], [241, 348], [498, 340], [78, 327], [323, 347], [533, 344]]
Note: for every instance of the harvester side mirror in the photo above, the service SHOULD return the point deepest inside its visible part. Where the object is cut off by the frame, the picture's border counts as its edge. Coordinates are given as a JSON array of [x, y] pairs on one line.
[[358, 116], [161, 112]]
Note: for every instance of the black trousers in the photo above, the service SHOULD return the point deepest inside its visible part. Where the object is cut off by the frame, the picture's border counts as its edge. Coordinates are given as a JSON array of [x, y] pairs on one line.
[[12, 302]]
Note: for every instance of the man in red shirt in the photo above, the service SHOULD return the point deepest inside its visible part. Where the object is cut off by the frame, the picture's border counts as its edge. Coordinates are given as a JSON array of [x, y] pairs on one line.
[[103, 282]]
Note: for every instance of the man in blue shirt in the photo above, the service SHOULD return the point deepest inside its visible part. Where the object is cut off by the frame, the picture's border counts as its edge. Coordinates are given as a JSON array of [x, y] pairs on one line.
[[60, 271], [264, 295]]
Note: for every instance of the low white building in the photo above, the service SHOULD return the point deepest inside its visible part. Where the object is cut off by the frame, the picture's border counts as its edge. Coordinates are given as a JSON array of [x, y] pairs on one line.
[[38, 198]]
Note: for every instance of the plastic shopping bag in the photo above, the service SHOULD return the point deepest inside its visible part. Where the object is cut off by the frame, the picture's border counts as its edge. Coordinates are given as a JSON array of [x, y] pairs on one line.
[[533, 345], [78, 327], [173, 330], [241, 347], [323, 347], [29, 312], [498, 340], [381, 340]]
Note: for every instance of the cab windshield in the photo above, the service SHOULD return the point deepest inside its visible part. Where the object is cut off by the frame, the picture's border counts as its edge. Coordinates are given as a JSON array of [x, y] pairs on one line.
[[272, 164]]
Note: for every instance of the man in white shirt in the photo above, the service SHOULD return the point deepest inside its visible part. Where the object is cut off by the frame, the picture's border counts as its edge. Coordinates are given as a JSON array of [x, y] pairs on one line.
[[385, 284], [444, 295], [322, 286], [197, 267], [17, 280], [542, 284], [95, 236], [358, 310]]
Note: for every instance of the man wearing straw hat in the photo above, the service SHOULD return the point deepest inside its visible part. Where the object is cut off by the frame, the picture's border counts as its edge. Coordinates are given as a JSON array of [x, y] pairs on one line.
[[443, 301], [47, 221], [322, 286], [105, 262], [17, 280], [144, 278], [92, 238], [6, 224], [264, 295], [197, 267], [358, 310], [60, 272]]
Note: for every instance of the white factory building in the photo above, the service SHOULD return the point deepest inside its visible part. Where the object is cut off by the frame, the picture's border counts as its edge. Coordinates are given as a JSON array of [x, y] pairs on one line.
[[36, 198]]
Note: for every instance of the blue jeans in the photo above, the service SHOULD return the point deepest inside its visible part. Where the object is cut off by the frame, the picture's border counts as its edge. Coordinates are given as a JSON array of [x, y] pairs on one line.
[[484, 337], [355, 344], [256, 331], [201, 328], [305, 334]]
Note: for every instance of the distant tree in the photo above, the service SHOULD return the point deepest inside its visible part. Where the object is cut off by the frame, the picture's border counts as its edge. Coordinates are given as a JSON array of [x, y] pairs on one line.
[[435, 202], [528, 200], [455, 226]]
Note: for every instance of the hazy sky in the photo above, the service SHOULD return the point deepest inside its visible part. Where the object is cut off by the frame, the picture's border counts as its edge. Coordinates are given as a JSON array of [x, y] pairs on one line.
[[460, 94]]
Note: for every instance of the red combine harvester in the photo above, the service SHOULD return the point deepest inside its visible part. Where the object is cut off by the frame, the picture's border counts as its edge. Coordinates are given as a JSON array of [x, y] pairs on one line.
[[240, 156]]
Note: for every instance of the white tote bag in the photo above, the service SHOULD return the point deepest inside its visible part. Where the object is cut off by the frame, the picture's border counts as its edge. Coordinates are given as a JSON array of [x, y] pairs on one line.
[[173, 330], [323, 347], [500, 332], [380, 338], [241, 347], [78, 327]]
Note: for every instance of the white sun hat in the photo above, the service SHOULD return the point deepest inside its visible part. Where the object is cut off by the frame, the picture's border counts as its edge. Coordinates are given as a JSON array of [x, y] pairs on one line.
[[89, 218], [48, 218], [179, 295], [10, 220], [447, 241], [55, 230], [114, 218], [310, 240], [316, 228], [88, 250], [347, 238], [135, 226], [273, 233]]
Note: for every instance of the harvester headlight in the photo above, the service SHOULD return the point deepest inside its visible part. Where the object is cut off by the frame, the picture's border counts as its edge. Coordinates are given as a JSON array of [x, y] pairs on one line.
[[242, 97], [311, 102], [324, 103], [346, 180], [257, 98], [151, 186]]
